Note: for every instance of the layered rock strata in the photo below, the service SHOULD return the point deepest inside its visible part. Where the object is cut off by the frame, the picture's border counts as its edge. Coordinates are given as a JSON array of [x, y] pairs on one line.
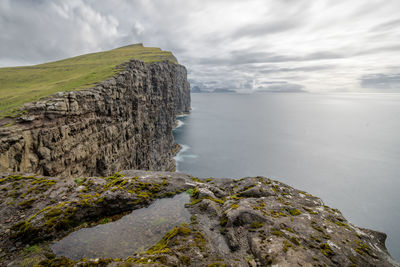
[[253, 221], [122, 123]]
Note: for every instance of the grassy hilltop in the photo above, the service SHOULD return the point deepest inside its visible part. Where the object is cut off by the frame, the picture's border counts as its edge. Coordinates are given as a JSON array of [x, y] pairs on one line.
[[19, 85]]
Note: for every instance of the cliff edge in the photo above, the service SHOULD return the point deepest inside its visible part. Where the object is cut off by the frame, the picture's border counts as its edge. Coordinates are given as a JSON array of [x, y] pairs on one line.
[[124, 122]]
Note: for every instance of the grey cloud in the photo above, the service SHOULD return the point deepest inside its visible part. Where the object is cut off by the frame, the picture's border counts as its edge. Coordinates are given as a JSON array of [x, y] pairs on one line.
[[38, 31], [283, 16], [324, 55], [237, 83], [224, 44], [257, 30], [284, 87], [380, 49], [296, 69], [381, 81], [389, 25], [205, 83], [211, 82], [245, 57], [273, 82]]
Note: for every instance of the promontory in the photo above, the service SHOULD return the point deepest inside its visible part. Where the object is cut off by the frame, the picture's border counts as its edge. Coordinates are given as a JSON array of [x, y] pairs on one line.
[[86, 151]]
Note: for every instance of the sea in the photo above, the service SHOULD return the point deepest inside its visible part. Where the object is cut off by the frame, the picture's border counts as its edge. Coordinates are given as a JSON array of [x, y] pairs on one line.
[[343, 148]]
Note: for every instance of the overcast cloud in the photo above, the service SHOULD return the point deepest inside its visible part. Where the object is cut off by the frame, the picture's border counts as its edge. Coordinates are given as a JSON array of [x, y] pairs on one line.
[[255, 45]]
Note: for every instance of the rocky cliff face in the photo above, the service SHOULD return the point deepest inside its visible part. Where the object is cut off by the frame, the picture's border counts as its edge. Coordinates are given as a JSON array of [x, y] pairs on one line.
[[124, 122]]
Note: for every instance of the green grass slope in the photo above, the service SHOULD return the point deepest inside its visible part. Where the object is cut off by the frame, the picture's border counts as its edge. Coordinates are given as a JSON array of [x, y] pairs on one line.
[[19, 85]]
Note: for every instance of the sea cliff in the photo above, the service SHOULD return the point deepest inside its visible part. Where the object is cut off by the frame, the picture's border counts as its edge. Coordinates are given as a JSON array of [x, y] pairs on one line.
[[124, 122], [50, 157]]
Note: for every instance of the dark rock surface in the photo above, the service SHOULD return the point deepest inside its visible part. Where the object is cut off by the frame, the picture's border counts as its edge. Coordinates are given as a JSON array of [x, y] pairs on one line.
[[253, 221], [124, 122]]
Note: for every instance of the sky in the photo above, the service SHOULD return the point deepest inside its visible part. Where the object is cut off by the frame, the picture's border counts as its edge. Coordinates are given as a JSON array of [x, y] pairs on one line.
[[247, 46]]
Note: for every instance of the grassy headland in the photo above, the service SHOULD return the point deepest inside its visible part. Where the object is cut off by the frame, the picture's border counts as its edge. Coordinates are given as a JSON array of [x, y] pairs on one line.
[[19, 85]]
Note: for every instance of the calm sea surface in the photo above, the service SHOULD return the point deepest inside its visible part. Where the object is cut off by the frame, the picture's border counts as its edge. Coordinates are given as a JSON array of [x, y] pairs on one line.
[[344, 148]]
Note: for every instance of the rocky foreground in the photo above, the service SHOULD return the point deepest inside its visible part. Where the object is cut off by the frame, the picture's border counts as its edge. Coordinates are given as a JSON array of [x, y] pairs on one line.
[[253, 221]]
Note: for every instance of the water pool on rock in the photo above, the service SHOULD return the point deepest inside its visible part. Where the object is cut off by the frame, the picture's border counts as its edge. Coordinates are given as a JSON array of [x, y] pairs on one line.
[[132, 233]]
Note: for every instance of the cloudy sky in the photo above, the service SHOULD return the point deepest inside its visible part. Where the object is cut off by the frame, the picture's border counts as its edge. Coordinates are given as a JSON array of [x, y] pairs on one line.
[[264, 45]]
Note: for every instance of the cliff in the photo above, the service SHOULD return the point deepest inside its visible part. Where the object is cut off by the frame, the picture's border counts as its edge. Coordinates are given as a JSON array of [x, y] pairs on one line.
[[254, 221], [124, 122]]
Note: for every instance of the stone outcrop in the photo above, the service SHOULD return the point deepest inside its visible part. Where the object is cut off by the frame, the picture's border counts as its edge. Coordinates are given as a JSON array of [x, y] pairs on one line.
[[254, 221], [124, 122]]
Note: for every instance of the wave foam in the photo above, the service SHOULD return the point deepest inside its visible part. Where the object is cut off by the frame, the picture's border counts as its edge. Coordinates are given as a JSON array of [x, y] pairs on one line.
[[180, 157], [182, 115], [179, 124]]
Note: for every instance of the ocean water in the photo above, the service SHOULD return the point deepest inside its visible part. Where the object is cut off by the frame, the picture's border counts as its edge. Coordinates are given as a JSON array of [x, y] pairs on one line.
[[343, 148]]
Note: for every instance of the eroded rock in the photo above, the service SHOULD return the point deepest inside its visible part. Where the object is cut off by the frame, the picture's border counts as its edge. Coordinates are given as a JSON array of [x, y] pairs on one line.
[[125, 122], [285, 227]]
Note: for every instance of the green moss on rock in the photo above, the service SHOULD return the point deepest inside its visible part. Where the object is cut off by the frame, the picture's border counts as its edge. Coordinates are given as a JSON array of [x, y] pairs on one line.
[[162, 245], [326, 249]]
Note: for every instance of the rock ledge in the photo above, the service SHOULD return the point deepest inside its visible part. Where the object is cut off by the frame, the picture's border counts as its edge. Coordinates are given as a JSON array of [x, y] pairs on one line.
[[254, 221]]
